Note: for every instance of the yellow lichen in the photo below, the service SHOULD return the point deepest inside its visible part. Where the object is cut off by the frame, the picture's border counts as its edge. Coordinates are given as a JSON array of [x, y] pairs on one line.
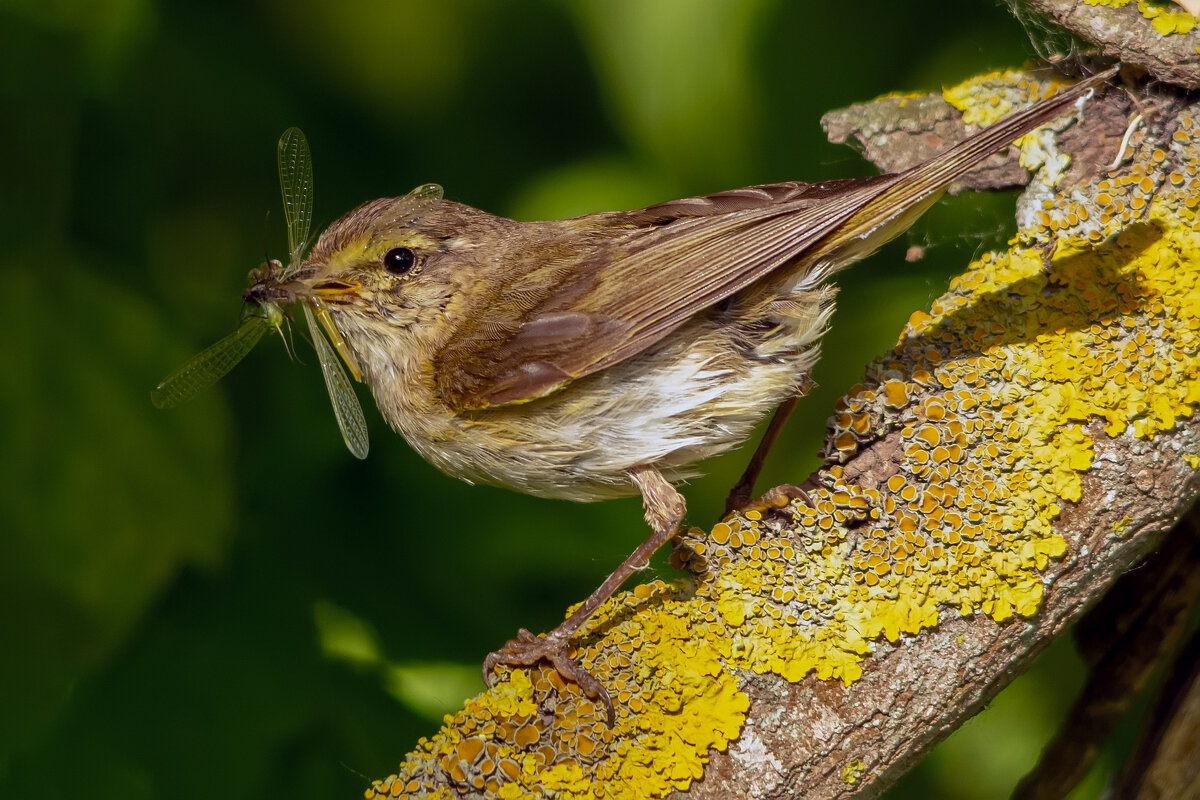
[[852, 772], [993, 401], [1166, 18], [986, 98]]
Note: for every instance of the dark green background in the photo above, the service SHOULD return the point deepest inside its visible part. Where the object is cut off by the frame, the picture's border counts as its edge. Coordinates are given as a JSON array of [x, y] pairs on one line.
[[219, 601]]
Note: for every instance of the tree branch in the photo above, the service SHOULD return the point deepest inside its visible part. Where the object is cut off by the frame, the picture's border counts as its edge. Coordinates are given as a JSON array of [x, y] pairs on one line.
[[1031, 437], [1160, 39], [1125, 638], [1164, 765]]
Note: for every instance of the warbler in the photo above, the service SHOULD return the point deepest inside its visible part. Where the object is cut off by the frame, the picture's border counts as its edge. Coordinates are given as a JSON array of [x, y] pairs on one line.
[[607, 354]]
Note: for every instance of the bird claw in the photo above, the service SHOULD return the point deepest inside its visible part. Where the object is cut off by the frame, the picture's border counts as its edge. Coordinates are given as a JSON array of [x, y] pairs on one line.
[[528, 649], [778, 497]]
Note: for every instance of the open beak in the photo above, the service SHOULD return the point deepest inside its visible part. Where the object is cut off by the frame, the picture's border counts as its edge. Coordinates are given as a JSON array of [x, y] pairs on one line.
[[332, 291]]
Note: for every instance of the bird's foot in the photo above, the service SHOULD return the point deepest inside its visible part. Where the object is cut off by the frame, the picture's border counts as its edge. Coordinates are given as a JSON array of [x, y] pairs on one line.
[[528, 649], [778, 497]]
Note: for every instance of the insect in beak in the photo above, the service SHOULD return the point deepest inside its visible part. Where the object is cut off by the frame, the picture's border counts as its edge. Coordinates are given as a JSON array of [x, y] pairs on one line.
[[317, 303]]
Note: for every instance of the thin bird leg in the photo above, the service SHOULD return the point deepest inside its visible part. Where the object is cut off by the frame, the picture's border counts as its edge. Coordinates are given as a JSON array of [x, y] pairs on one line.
[[740, 494], [664, 510]]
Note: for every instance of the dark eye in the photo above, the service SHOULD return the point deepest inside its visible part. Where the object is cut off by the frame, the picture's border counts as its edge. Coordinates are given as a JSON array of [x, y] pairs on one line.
[[399, 260]]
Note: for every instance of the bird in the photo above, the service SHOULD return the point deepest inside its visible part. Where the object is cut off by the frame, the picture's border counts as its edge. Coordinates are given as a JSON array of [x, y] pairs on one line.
[[608, 354]]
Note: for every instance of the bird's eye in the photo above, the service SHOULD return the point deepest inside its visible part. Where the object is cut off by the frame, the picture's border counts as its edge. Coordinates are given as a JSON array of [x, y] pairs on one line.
[[399, 260]]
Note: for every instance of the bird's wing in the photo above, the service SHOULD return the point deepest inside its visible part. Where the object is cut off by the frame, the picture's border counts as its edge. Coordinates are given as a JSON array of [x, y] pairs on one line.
[[588, 310], [626, 289]]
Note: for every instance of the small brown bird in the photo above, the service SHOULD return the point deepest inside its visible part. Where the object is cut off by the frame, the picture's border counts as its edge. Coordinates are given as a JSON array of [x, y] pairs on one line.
[[606, 355]]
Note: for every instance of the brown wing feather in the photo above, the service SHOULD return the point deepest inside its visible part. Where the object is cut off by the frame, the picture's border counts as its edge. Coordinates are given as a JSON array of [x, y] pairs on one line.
[[657, 267], [679, 257]]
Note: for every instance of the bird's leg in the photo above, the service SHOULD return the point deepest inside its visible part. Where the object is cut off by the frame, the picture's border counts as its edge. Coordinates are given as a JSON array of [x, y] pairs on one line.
[[740, 494], [664, 510]]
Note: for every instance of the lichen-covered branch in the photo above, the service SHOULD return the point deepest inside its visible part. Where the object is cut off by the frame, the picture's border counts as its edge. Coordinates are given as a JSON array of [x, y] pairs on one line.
[[1031, 437], [1158, 37]]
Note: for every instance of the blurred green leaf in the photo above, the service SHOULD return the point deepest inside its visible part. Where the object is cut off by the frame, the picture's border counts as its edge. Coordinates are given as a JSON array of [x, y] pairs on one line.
[[679, 81], [586, 186], [433, 689], [346, 637], [357, 42], [109, 497]]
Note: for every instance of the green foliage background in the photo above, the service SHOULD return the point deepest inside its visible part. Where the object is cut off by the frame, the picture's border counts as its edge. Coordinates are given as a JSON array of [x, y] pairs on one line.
[[219, 601]]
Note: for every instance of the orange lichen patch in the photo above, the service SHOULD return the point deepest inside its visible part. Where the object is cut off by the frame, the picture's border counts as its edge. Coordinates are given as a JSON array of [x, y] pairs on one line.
[[895, 394], [985, 418]]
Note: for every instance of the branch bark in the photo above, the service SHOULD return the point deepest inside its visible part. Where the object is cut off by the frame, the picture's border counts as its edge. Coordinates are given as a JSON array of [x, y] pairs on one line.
[[1162, 40]]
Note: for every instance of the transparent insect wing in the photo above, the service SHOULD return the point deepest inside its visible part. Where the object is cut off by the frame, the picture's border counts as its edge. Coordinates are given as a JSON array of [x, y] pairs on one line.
[[415, 204], [209, 365], [346, 407], [335, 337], [428, 190], [296, 185]]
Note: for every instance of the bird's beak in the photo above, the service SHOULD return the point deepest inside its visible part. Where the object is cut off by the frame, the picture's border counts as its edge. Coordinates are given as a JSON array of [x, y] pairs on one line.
[[335, 292]]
